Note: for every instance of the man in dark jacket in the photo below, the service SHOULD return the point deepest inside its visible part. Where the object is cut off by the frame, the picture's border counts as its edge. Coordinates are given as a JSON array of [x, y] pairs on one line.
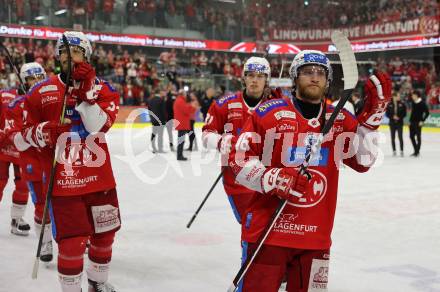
[[169, 103], [419, 114], [396, 112], [156, 105], [358, 103], [206, 101]]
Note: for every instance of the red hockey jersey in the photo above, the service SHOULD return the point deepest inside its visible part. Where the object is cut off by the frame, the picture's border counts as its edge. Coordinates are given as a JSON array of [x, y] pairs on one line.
[[277, 135], [7, 151], [84, 166], [228, 115], [29, 162]]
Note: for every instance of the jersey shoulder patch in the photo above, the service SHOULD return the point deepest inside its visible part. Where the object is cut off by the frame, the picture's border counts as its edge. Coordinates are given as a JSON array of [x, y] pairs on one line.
[[270, 105], [224, 99], [43, 88], [15, 101], [109, 86]]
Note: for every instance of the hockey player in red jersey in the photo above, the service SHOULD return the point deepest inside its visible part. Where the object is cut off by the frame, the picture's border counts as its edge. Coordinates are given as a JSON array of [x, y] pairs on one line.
[[31, 74], [9, 155], [267, 156], [225, 119], [84, 202]]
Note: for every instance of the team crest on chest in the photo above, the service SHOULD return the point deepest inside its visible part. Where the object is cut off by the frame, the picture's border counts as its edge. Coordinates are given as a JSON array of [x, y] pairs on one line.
[[314, 123]]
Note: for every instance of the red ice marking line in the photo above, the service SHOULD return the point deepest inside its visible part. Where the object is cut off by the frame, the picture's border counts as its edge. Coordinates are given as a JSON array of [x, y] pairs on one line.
[[197, 239]]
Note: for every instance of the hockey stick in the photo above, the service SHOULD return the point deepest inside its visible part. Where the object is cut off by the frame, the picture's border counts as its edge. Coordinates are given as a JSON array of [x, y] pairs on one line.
[[204, 200], [350, 72], [54, 163], [8, 56]]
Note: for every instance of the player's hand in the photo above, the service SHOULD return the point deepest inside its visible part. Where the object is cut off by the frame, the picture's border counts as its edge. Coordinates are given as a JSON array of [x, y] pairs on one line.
[[84, 76], [420, 124], [46, 133], [286, 183], [83, 71], [377, 97], [225, 144]]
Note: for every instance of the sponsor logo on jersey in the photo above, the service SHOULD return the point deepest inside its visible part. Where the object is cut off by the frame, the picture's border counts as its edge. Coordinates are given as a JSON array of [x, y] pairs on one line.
[[339, 117], [69, 173], [270, 105], [234, 115], [220, 101], [48, 88], [286, 224], [285, 114], [76, 182], [298, 154], [234, 105], [48, 99], [7, 94], [291, 127], [318, 275], [105, 218], [314, 123]]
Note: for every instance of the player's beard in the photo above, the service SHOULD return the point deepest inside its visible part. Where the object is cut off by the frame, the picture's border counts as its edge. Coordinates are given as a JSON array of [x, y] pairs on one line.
[[309, 95]]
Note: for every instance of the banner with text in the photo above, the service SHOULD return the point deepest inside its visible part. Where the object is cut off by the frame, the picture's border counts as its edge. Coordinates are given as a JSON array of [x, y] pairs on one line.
[[424, 26], [52, 33]]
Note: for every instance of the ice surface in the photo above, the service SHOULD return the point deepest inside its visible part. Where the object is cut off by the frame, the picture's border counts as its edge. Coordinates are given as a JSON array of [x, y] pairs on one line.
[[386, 235]]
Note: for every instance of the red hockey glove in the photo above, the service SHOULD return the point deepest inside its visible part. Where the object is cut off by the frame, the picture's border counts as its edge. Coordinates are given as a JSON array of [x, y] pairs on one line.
[[45, 134], [377, 97], [84, 76], [285, 183]]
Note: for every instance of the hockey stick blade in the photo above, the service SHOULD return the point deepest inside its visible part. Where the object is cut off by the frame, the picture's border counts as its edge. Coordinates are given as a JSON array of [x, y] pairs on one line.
[[348, 60], [350, 73], [349, 68]]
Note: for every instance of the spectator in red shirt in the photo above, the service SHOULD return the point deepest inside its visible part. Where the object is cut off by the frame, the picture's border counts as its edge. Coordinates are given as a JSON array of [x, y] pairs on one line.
[[183, 112]]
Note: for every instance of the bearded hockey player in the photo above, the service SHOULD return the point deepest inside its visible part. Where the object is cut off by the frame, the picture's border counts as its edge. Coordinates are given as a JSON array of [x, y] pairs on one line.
[[266, 159], [84, 203]]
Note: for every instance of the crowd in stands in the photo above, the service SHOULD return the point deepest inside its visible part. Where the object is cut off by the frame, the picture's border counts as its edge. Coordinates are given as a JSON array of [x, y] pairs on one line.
[[137, 72], [251, 19], [338, 13]]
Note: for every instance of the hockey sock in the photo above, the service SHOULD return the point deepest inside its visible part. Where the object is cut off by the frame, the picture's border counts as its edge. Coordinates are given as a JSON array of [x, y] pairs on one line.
[[100, 254], [70, 283], [71, 255]]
